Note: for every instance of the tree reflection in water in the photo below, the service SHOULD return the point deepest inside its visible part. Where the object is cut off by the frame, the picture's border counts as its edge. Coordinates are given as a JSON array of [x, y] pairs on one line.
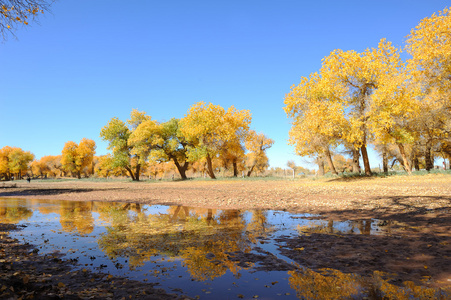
[[77, 217], [14, 212], [200, 238], [329, 227], [333, 284], [205, 242]]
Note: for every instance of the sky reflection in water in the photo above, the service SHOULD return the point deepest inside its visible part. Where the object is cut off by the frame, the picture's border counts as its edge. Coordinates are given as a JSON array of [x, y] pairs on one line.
[[191, 251]]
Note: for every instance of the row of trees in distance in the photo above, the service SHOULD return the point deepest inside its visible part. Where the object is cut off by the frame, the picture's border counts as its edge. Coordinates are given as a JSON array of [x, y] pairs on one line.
[[208, 139], [85, 163], [402, 107]]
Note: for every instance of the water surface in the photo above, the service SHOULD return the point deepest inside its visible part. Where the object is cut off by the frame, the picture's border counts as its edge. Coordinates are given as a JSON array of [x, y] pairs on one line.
[[205, 253]]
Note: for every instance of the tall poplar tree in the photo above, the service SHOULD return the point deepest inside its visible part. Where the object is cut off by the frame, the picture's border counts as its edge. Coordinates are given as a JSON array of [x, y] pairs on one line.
[[210, 129], [125, 155]]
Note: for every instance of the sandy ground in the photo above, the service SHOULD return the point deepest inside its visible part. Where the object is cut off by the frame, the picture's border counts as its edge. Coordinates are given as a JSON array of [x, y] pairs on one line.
[[336, 197], [419, 205]]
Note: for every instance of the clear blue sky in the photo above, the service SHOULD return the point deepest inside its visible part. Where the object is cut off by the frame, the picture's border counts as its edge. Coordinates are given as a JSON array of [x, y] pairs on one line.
[[91, 60]]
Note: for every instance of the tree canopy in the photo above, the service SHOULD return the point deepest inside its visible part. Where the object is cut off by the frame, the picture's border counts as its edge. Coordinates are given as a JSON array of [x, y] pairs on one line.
[[14, 161], [211, 129], [125, 155], [374, 97], [74, 158]]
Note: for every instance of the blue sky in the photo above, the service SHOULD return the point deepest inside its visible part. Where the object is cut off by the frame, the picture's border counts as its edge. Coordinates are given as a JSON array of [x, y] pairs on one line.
[[91, 60]]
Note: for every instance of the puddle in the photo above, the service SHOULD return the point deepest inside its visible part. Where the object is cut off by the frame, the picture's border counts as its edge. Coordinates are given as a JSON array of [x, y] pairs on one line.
[[205, 253]]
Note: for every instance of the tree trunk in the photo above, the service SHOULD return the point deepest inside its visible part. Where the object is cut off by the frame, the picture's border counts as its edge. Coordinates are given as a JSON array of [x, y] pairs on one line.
[[416, 163], [364, 226], [209, 216], [137, 171], [366, 162], [364, 91], [250, 171], [174, 216], [235, 168], [385, 160], [181, 169], [210, 167], [330, 162], [130, 172], [330, 226], [405, 161], [320, 162], [79, 174], [428, 156], [355, 160]]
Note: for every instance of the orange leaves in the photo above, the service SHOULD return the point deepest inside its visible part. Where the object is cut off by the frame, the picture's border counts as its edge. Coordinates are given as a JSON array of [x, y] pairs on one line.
[[4, 159], [75, 158], [47, 166], [14, 160], [257, 144]]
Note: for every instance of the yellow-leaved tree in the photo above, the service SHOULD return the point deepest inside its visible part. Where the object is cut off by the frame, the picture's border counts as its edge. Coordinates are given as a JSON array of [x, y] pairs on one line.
[[14, 161], [395, 108], [163, 142], [257, 144], [402, 108], [355, 77], [210, 129], [54, 164], [74, 158], [5, 171], [337, 105], [318, 117], [19, 161], [39, 168], [129, 156], [47, 166], [105, 167], [429, 43]]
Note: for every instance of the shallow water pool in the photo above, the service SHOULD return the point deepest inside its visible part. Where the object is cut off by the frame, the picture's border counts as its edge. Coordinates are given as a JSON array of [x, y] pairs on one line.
[[204, 253]]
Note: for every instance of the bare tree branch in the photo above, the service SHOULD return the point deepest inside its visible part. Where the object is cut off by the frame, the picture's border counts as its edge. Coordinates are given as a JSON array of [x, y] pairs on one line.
[[16, 13]]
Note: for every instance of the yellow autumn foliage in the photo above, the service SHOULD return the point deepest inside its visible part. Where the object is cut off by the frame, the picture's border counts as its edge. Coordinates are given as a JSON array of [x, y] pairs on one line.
[[14, 161], [210, 129], [74, 158]]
